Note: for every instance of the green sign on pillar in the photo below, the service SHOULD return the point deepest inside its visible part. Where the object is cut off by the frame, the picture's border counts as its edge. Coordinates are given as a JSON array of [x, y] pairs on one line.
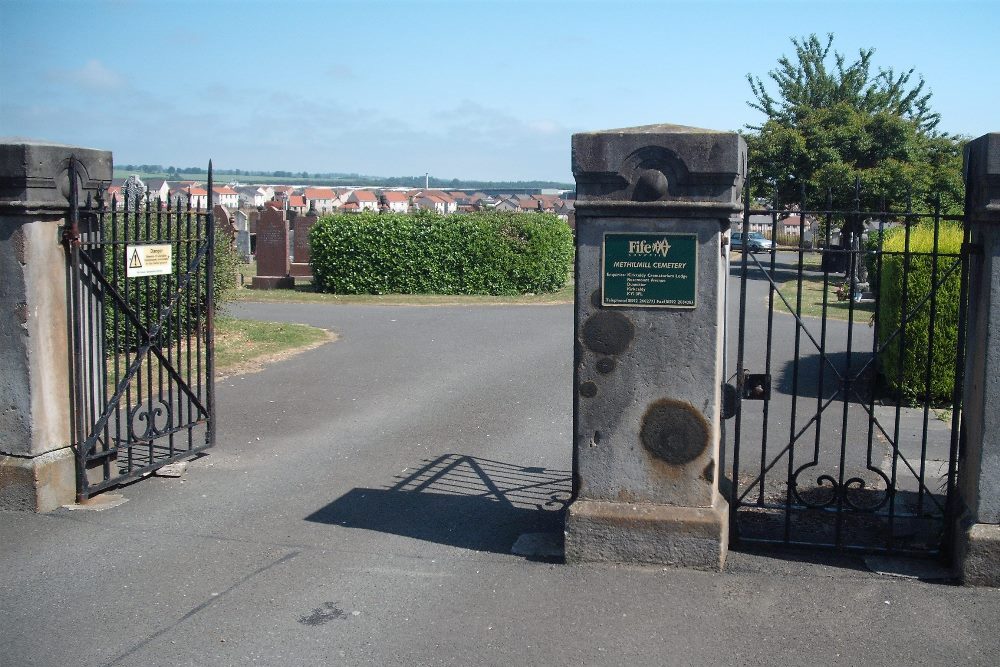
[[649, 270]]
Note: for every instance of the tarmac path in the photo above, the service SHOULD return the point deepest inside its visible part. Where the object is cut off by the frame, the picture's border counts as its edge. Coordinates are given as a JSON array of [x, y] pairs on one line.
[[360, 508]]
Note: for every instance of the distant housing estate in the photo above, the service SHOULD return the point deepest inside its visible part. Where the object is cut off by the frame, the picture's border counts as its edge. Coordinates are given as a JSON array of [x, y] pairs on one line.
[[246, 201]]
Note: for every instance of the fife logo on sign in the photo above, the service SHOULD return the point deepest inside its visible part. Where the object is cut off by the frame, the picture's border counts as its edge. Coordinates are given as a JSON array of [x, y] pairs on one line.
[[645, 248]]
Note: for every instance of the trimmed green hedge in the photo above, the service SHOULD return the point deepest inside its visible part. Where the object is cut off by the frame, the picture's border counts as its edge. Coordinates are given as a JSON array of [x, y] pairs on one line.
[[913, 383], [427, 253]]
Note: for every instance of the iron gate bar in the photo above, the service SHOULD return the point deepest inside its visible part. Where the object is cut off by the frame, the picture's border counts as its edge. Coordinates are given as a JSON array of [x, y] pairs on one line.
[[930, 351], [740, 353], [958, 415], [795, 369], [850, 380], [142, 318]]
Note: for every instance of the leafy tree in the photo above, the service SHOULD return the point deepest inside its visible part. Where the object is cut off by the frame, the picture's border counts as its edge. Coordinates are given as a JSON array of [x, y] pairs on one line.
[[829, 122]]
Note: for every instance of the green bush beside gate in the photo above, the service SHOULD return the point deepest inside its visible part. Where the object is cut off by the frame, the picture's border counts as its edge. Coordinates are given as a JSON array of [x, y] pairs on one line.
[[426, 253], [904, 361]]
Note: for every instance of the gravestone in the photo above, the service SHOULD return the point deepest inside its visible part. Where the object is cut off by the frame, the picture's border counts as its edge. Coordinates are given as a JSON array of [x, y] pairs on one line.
[[243, 235], [272, 252], [224, 222], [303, 223], [652, 214], [133, 193]]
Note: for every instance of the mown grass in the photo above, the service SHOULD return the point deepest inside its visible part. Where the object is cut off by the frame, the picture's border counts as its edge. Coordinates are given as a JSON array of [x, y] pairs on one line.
[[243, 343], [812, 300], [813, 288]]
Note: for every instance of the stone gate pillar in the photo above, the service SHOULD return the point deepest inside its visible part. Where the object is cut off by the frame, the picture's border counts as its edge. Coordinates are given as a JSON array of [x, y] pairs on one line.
[[977, 535], [653, 210], [37, 466]]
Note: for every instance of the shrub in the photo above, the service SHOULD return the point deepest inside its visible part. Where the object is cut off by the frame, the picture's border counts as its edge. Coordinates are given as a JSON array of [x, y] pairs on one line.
[[426, 253], [909, 350]]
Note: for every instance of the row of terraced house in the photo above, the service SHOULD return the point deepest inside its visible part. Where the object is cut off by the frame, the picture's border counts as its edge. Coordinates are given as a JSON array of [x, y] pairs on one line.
[[323, 200]]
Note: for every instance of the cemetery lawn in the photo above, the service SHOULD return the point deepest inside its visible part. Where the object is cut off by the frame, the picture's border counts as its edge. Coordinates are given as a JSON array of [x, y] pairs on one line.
[[812, 301], [244, 346]]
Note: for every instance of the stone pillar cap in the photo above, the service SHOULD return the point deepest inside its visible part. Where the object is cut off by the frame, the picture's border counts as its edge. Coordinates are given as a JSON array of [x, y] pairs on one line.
[[982, 177], [35, 174], [660, 163]]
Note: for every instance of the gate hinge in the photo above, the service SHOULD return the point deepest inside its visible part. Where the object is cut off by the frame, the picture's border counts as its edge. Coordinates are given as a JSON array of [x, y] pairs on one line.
[[756, 386], [71, 234]]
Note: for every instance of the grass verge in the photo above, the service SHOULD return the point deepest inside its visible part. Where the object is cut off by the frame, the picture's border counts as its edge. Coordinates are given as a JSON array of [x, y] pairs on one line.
[[244, 346], [812, 301]]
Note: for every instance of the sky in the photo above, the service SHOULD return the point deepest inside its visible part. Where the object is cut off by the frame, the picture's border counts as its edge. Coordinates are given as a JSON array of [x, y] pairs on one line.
[[471, 90]]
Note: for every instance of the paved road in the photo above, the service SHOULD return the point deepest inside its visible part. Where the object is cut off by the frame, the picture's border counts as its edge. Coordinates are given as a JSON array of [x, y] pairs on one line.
[[360, 508]]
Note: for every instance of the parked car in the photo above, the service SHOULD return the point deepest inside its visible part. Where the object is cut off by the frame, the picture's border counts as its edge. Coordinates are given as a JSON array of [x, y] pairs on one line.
[[756, 242]]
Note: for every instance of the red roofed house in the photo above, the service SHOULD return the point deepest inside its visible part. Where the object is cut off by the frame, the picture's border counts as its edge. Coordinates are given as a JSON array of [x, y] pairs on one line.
[[435, 200], [114, 193], [226, 196], [196, 194], [320, 199], [365, 200], [398, 202], [298, 203]]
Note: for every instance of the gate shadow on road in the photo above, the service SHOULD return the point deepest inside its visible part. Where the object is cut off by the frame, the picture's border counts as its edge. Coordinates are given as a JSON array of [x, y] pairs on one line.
[[461, 501], [834, 366]]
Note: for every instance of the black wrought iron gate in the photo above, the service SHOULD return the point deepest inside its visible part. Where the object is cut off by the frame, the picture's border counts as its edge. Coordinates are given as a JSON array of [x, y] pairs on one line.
[[850, 360], [141, 326]]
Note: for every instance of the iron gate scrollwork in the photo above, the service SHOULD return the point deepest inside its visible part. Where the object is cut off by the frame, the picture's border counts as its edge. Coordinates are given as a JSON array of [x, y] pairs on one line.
[[860, 343], [142, 389]]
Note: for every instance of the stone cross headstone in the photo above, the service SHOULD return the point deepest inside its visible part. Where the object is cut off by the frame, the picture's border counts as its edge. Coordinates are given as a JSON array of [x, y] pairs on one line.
[[272, 251], [133, 192]]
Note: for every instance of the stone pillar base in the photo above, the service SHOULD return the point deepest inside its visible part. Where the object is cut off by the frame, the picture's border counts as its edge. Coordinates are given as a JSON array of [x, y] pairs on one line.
[[272, 282], [601, 531], [977, 559], [39, 483]]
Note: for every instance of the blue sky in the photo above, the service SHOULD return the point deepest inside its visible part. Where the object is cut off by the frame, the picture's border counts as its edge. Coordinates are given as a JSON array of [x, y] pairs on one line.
[[474, 89]]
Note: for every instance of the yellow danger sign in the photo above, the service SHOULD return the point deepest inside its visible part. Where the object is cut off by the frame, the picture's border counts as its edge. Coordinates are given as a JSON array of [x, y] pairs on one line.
[[148, 260]]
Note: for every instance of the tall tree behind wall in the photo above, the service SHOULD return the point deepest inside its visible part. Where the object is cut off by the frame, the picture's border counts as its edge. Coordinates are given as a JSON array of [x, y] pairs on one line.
[[828, 122]]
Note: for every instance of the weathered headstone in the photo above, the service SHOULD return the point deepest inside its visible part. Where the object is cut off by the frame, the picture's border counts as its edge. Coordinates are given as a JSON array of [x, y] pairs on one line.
[[224, 222], [653, 207], [242, 223], [303, 223], [133, 193], [272, 252]]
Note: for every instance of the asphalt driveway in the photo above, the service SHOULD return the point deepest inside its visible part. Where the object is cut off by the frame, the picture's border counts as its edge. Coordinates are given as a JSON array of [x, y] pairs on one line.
[[361, 507]]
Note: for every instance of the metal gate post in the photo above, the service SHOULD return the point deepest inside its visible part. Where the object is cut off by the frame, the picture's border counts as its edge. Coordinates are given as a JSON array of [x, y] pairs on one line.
[[37, 466], [653, 215], [977, 534]]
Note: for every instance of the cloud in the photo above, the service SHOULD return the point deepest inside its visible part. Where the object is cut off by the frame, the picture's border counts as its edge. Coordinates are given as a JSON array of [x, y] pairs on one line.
[[94, 75]]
